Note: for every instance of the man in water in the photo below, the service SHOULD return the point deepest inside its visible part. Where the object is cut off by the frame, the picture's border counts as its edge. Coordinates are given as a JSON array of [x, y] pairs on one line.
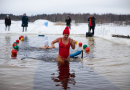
[[46, 44]]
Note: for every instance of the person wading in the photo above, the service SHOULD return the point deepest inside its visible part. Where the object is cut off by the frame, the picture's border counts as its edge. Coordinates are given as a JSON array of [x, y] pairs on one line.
[[64, 46]]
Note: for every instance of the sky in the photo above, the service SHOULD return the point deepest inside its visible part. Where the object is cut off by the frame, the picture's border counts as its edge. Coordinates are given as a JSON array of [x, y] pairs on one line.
[[34, 7]]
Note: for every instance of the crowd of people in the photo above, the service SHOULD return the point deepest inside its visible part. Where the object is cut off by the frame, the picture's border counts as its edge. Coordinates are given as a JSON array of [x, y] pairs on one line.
[[24, 22], [67, 20]]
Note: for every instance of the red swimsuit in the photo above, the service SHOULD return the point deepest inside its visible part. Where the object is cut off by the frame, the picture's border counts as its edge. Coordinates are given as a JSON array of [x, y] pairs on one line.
[[64, 50]]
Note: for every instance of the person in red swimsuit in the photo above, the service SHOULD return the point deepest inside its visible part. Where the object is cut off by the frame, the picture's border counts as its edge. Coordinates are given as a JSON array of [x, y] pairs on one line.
[[64, 46]]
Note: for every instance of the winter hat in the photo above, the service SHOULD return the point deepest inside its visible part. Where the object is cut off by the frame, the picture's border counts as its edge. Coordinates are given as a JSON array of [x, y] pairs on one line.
[[24, 14], [66, 31]]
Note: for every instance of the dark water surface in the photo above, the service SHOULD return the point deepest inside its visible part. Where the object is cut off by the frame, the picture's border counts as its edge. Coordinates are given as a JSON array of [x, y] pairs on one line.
[[105, 67]]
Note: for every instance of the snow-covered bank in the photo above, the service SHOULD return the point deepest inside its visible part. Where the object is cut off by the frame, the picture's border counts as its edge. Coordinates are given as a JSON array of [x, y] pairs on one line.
[[38, 27], [106, 31]]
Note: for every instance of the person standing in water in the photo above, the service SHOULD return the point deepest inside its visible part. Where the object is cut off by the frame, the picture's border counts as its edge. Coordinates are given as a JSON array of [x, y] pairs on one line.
[[64, 46], [25, 22], [7, 22]]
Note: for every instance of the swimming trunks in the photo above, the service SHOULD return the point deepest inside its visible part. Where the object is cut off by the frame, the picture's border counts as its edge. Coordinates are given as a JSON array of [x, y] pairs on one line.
[[64, 49]]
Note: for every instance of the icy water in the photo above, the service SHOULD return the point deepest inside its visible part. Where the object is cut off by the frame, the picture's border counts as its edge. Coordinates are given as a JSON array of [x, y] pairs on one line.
[[105, 67]]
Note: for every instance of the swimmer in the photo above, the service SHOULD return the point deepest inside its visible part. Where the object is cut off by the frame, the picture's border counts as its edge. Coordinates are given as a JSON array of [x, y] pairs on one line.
[[46, 44], [64, 46]]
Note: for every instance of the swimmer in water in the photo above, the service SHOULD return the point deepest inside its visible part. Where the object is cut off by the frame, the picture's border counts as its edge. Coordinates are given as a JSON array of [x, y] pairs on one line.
[[46, 44], [64, 46]]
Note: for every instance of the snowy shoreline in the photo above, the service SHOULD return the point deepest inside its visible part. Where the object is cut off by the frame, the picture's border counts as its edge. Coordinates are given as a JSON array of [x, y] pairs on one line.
[[103, 31]]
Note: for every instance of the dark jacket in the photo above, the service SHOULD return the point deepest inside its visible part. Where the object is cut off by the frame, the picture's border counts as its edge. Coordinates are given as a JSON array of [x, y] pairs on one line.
[[24, 21], [7, 21], [92, 20], [68, 21]]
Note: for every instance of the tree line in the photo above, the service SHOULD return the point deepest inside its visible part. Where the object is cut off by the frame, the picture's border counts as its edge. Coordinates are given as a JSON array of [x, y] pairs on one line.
[[78, 18]]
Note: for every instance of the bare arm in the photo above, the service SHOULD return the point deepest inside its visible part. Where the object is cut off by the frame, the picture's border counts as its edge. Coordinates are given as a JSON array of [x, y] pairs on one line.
[[43, 47], [55, 41], [72, 43], [49, 47]]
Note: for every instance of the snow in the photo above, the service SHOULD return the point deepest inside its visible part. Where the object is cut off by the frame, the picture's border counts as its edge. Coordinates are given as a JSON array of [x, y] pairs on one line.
[[103, 31]]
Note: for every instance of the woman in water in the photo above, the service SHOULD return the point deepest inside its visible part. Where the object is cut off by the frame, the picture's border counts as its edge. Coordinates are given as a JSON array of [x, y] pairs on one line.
[[64, 46]]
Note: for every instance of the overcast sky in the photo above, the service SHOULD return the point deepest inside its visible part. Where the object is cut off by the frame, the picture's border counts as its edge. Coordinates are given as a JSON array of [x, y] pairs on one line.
[[34, 7]]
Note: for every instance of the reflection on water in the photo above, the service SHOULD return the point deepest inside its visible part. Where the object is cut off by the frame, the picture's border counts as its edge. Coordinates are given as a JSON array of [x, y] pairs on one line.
[[5, 46], [13, 56], [65, 77], [73, 76], [91, 43], [7, 40], [105, 67]]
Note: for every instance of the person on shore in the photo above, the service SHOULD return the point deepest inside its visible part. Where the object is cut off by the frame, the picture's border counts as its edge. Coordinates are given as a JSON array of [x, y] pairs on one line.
[[68, 21], [64, 46], [91, 24], [7, 23], [46, 44], [25, 22]]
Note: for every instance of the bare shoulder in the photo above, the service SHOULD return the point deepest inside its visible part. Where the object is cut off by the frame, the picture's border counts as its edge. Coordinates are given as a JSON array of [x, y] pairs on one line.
[[71, 40], [43, 47], [58, 39]]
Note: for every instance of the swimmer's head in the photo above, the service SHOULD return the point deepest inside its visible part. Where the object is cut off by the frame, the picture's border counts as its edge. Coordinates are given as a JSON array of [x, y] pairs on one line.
[[45, 42]]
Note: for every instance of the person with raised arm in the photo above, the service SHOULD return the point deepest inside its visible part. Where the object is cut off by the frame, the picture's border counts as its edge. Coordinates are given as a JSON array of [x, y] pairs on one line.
[[64, 46]]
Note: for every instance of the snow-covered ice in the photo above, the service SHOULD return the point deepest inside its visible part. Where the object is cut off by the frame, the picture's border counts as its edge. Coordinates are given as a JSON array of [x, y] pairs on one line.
[[104, 31]]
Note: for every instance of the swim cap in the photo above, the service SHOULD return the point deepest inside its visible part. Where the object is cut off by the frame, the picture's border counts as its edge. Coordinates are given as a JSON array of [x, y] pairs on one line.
[[45, 42]]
